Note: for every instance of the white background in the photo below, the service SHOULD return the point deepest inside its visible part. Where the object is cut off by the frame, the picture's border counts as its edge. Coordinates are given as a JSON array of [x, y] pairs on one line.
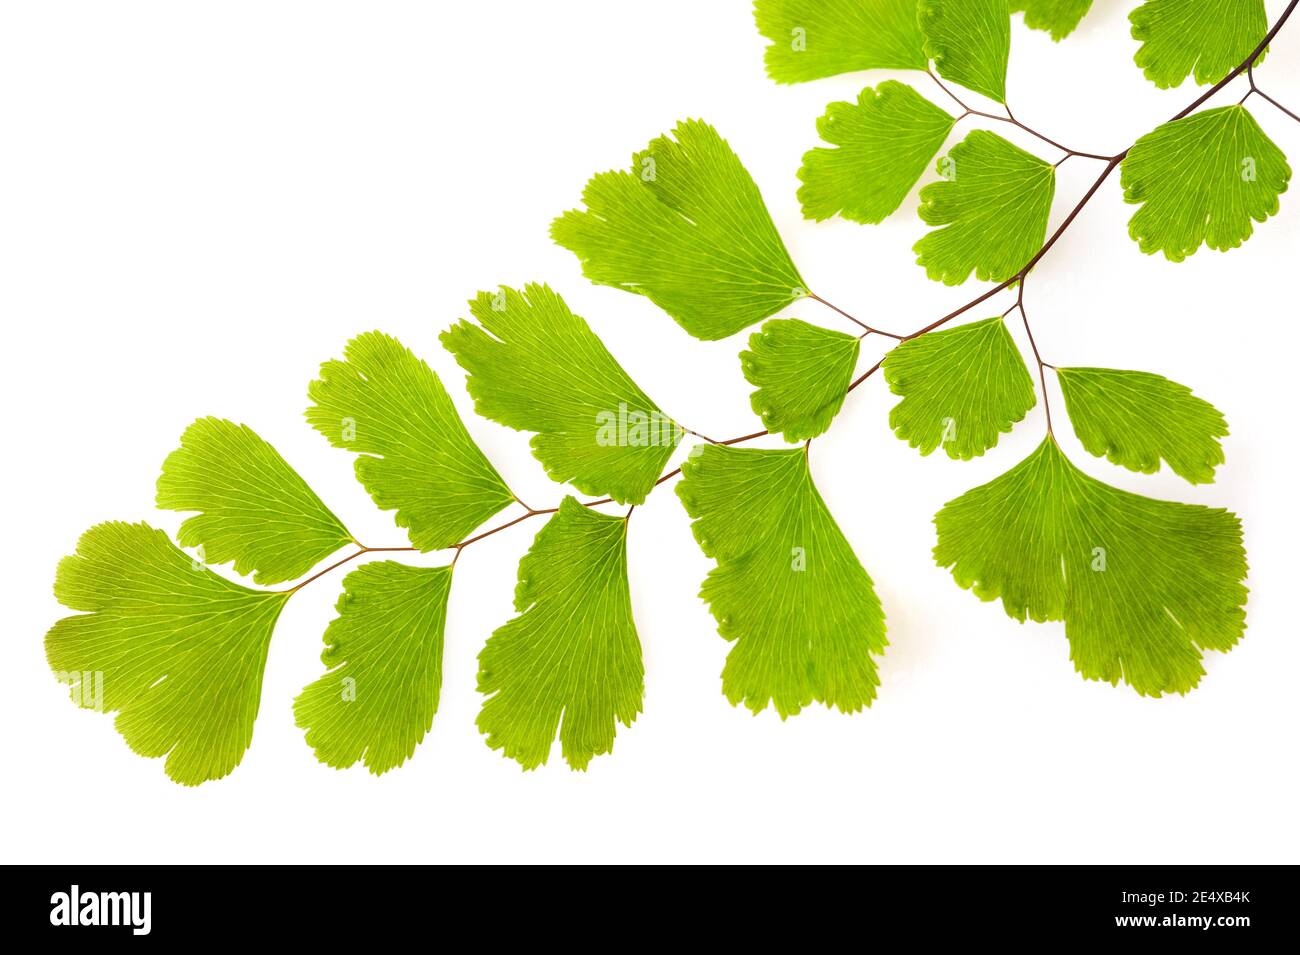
[[202, 202]]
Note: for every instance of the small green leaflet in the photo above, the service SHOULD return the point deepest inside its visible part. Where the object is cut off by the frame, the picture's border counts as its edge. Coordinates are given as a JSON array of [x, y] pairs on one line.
[[883, 143], [687, 228], [384, 654], [1202, 180], [787, 587], [816, 38], [1143, 585], [416, 456], [1057, 17], [969, 41], [255, 509], [1135, 418], [993, 202], [536, 366], [572, 653], [1204, 38], [802, 372], [177, 650], [961, 388]]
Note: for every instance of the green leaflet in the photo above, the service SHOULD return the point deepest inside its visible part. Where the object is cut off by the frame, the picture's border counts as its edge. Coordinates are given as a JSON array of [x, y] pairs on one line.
[[816, 38], [802, 372], [961, 388], [687, 228], [884, 142], [1143, 585], [255, 509], [993, 203], [536, 366], [1135, 418], [1205, 38], [969, 41], [384, 654], [787, 588], [1202, 180], [1057, 17], [416, 456], [573, 649], [177, 650]]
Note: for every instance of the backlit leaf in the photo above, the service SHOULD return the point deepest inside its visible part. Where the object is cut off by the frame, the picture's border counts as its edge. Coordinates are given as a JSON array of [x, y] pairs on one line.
[[1203, 179], [255, 509], [787, 588], [571, 659], [883, 143], [177, 651], [993, 204], [802, 372], [384, 654], [962, 387], [1143, 585], [687, 228], [415, 455], [536, 366], [1135, 418]]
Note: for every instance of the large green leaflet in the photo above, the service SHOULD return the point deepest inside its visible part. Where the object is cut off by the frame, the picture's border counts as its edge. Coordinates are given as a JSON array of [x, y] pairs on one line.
[[1204, 38], [816, 38], [993, 205], [1202, 179], [687, 228], [384, 654], [415, 455], [1057, 17], [969, 41], [1135, 418], [571, 659], [177, 650], [802, 372], [962, 387], [787, 587], [536, 366], [1143, 585], [255, 509], [883, 143]]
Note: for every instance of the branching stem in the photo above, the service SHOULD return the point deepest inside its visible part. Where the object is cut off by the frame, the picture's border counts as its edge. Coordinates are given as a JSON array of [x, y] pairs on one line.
[[1246, 66]]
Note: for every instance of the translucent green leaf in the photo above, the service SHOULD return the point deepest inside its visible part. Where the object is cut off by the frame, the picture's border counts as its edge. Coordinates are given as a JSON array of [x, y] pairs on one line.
[[1142, 585], [384, 654], [1204, 38], [536, 366], [175, 649], [255, 509], [1202, 179], [787, 588], [816, 38], [572, 652], [884, 142], [802, 372], [1057, 17], [416, 456], [993, 201], [961, 388], [969, 41], [1135, 418], [687, 228]]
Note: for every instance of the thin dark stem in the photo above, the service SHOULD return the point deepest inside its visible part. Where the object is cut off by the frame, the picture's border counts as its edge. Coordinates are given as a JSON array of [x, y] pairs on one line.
[[865, 375], [1254, 89], [1011, 119], [1042, 374], [361, 549], [870, 330]]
